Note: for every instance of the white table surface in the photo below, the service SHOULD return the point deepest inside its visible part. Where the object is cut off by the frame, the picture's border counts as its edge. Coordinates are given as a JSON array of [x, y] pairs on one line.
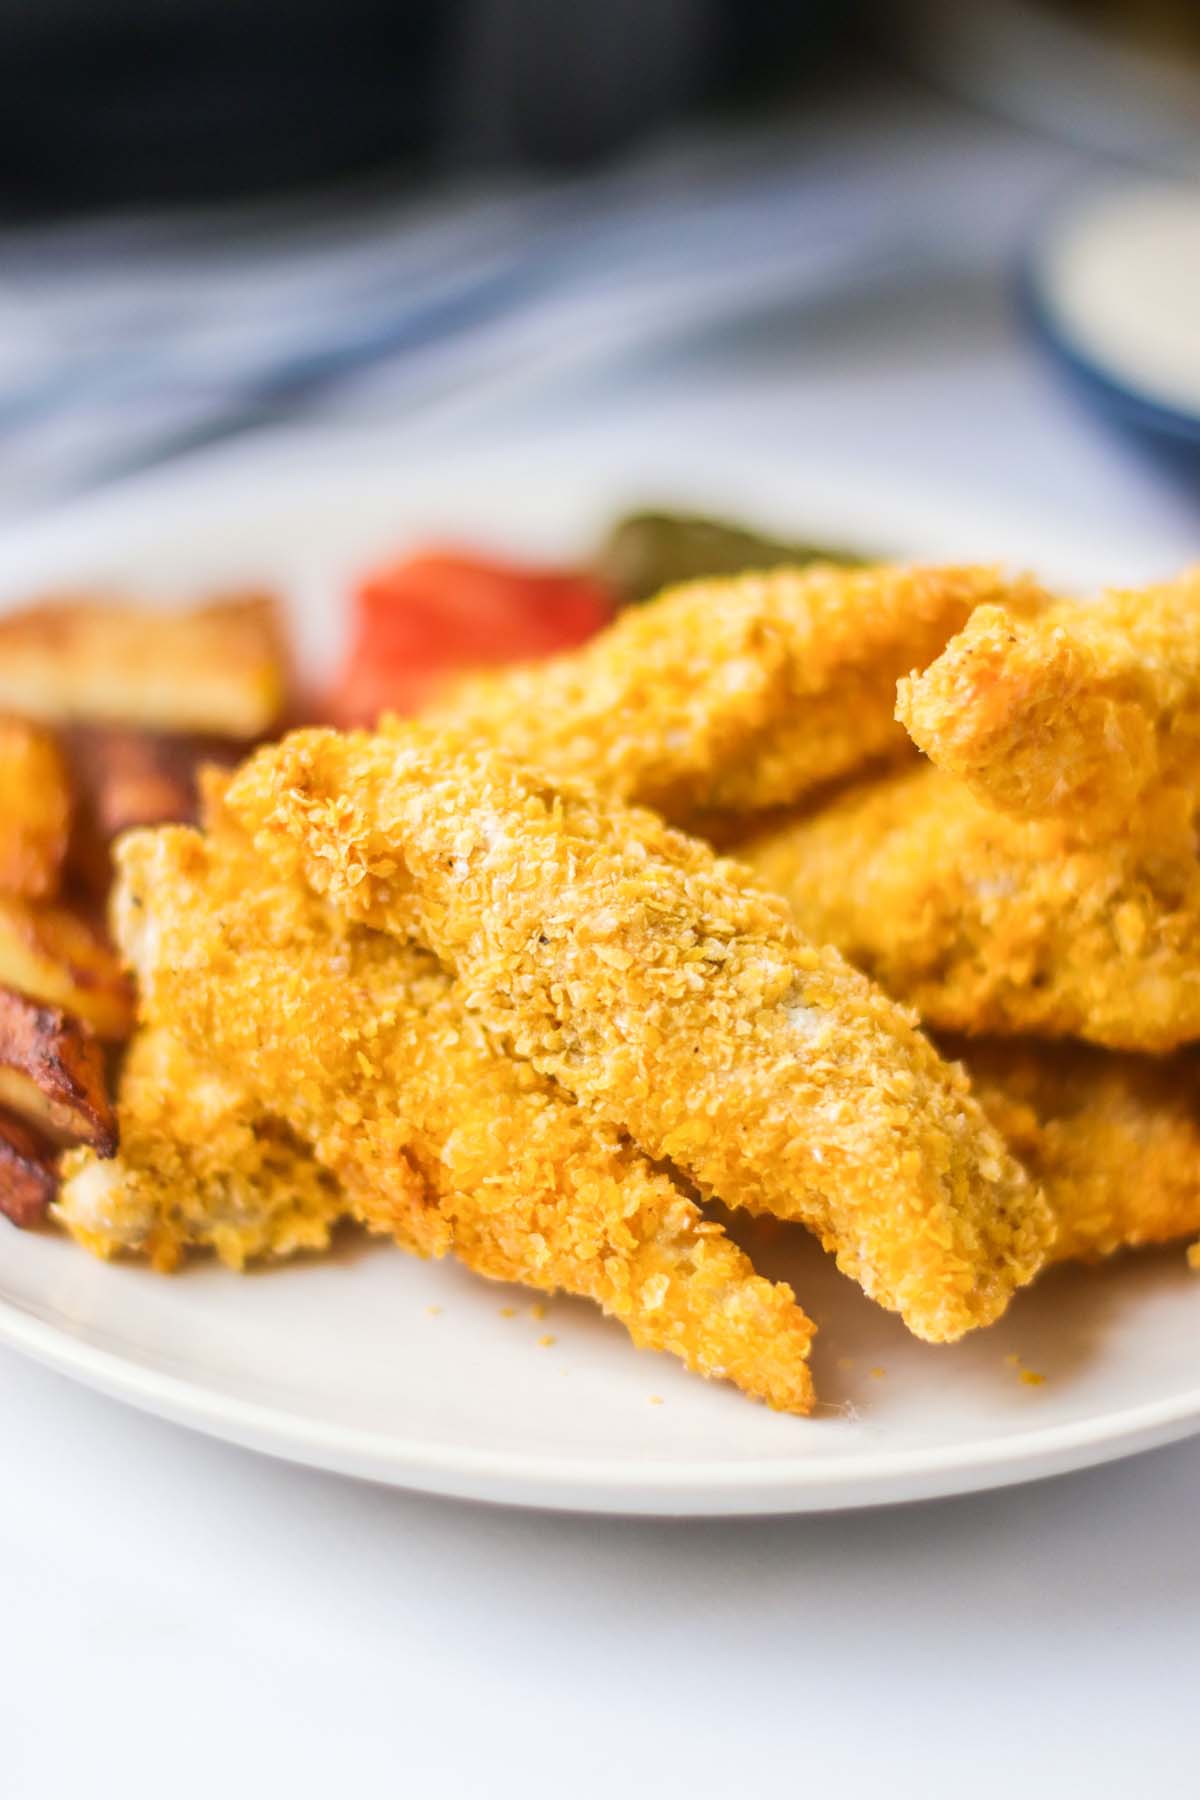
[[183, 1618]]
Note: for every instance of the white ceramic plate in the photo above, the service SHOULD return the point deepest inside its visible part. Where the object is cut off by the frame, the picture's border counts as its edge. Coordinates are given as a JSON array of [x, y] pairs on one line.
[[423, 1376]]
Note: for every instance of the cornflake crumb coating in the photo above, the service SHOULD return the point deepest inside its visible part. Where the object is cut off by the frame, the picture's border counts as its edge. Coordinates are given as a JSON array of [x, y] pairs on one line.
[[1114, 1140], [732, 696], [674, 997], [364, 1047], [994, 926], [200, 1167], [1073, 714]]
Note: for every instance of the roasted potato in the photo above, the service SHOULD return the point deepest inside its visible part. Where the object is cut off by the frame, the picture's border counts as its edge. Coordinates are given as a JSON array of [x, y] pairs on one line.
[[219, 668], [54, 955], [35, 810], [28, 1177], [52, 1074]]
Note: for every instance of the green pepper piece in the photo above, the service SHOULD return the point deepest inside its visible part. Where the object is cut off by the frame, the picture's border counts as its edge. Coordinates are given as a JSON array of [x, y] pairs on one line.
[[648, 551]]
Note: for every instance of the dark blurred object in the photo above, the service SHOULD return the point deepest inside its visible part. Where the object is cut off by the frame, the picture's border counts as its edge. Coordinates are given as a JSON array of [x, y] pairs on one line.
[[648, 551], [1121, 77], [130, 100]]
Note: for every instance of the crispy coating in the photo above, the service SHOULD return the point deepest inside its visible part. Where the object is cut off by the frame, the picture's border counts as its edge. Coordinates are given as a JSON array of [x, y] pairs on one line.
[[1114, 1140], [363, 1045], [200, 1167], [35, 810], [220, 667], [673, 997], [993, 926], [734, 695], [1075, 714]]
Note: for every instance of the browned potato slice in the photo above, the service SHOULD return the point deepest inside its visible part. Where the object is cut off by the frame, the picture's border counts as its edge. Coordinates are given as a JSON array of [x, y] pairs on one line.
[[52, 1074], [35, 810], [218, 668], [128, 777], [55, 955], [28, 1177]]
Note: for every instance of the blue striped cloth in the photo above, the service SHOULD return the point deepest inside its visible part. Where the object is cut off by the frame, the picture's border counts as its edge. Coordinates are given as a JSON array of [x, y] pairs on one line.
[[125, 340]]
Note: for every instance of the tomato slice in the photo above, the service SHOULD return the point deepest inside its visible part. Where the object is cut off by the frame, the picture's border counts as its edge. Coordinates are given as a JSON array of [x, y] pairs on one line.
[[420, 621]]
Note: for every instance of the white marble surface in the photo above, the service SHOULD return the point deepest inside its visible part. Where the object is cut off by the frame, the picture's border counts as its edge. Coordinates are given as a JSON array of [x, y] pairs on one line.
[[184, 1618]]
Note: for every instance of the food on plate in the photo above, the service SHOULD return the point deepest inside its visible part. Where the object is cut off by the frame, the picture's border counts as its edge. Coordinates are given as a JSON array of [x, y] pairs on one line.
[[1114, 1140], [35, 810], [673, 997], [456, 983], [127, 777], [423, 620], [28, 1178], [732, 696], [648, 551], [1076, 714], [53, 954], [52, 1074], [200, 1166], [219, 668], [996, 926], [365, 1048]]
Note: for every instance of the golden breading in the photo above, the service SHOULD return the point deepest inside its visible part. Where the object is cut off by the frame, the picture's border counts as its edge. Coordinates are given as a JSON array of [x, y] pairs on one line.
[[735, 695], [53, 954], [1075, 714], [52, 1074], [1114, 1140], [674, 998], [200, 1167], [993, 926], [364, 1047], [218, 668], [35, 810]]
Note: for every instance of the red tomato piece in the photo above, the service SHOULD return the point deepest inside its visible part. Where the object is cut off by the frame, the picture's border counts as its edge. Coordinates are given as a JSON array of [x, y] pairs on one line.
[[420, 621]]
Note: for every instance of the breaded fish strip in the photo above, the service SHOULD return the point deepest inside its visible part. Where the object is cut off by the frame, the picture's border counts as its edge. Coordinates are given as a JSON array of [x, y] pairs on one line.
[[1114, 1140], [993, 926], [200, 1166], [365, 1048], [1074, 714], [735, 695], [674, 998]]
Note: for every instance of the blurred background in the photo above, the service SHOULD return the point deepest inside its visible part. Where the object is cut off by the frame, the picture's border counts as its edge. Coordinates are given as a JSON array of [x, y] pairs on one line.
[[216, 219]]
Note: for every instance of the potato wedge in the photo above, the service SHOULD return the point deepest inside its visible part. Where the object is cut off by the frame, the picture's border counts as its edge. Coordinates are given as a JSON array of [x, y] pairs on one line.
[[52, 1074], [28, 1175], [127, 777], [35, 810], [54, 955], [220, 668]]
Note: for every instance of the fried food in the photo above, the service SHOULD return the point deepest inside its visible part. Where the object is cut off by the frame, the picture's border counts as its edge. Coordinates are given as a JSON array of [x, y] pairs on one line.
[[363, 1046], [28, 1178], [1075, 714], [735, 695], [218, 668], [994, 926], [1114, 1140], [52, 1074], [35, 810], [53, 954], [201, 1166], [674, 998], [126, 777]]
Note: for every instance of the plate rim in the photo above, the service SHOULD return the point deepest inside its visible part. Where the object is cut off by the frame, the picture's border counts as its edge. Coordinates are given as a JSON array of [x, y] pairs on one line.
[[767, 1484]]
